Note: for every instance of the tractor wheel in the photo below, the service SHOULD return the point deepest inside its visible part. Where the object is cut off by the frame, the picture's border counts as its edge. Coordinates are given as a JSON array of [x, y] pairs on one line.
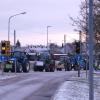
[[47, 69], [6, 70], [76, 67], [35, 68], [19, 68], [26, 67], [52, 69]]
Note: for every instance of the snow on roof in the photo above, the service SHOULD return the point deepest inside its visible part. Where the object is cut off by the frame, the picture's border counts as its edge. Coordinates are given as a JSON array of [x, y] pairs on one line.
[[36, 49]]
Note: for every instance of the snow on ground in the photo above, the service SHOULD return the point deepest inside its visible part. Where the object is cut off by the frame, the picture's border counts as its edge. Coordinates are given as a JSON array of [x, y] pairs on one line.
[[5, 76], [9, 75], [77, 89]]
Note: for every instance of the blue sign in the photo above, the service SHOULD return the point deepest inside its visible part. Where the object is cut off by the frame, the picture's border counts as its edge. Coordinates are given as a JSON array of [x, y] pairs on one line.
[[78, 57]]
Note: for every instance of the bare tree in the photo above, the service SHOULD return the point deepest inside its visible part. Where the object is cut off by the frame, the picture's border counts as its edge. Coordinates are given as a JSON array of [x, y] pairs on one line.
[[81, 22], [18, 44]]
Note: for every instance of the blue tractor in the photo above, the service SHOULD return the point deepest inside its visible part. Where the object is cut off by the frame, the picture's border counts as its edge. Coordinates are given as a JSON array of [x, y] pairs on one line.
[[75, 62], [18, 62], [80, 62]]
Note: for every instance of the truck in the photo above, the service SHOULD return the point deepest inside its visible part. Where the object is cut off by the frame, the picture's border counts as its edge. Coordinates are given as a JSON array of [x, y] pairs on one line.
[[18, 62]]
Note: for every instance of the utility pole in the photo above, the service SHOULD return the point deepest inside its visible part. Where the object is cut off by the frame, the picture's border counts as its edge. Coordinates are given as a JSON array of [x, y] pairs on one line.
[[80, 40], [47, 36], [80, 43], [91, 35], [65, 44], [14, 38]]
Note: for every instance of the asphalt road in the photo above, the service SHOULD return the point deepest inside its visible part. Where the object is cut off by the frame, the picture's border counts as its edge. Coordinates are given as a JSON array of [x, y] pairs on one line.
[[33, 86]]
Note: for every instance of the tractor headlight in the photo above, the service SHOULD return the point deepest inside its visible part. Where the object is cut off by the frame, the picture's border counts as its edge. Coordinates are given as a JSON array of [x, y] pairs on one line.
[[11, 62]]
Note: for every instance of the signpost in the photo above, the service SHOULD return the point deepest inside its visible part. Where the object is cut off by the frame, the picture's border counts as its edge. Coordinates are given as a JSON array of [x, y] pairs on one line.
[[91, 89]]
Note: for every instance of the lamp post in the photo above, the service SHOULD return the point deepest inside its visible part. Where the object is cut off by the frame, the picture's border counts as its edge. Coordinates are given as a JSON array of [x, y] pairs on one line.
[[9, 22], [47, 35]]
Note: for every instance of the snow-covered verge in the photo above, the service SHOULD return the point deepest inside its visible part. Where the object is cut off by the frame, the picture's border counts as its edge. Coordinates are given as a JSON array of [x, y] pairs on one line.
[[6, 76], [77, 89]]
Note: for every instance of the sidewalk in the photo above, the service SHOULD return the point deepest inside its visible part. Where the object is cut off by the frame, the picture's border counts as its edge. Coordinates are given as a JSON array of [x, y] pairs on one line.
[[78, 89]]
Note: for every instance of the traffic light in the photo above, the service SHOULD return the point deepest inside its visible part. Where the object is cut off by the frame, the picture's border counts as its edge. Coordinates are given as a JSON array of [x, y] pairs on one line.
[[77, 44], [5, 48], [8, 48]]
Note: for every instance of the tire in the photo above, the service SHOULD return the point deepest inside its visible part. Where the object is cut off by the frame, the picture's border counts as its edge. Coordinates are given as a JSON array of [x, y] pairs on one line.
[[52, 69], [19, 68], [41, 70], [47, 69], [35, 68], [26, 67], [76, 67], [13, 69], [67, 69], [59, 69], [86, 68], [6, 70]]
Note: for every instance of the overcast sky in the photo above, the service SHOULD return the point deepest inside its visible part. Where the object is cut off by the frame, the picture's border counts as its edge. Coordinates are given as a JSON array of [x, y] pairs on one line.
[[31, 27]]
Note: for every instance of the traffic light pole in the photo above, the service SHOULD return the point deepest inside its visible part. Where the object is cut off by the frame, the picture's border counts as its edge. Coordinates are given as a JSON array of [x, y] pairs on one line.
[[80, 37], [15, 66], [14, 38], [78, 70], [2, 65]]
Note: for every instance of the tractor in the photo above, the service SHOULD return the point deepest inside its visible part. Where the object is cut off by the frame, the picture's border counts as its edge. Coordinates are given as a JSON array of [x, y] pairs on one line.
[[18, 62]]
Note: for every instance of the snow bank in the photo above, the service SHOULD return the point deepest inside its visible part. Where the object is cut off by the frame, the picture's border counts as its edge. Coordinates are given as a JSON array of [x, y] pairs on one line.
[[2, 77], [75, 90]]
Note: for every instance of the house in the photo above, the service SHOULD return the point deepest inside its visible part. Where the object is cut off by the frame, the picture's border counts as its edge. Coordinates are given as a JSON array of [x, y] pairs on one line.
[[68, 48]]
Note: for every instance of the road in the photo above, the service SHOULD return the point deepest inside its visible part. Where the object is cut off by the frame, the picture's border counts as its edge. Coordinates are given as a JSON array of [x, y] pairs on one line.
[[33, 85]]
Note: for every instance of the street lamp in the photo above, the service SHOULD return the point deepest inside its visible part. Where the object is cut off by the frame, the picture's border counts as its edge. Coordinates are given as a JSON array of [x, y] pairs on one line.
[[9, 23], [47, 35]]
